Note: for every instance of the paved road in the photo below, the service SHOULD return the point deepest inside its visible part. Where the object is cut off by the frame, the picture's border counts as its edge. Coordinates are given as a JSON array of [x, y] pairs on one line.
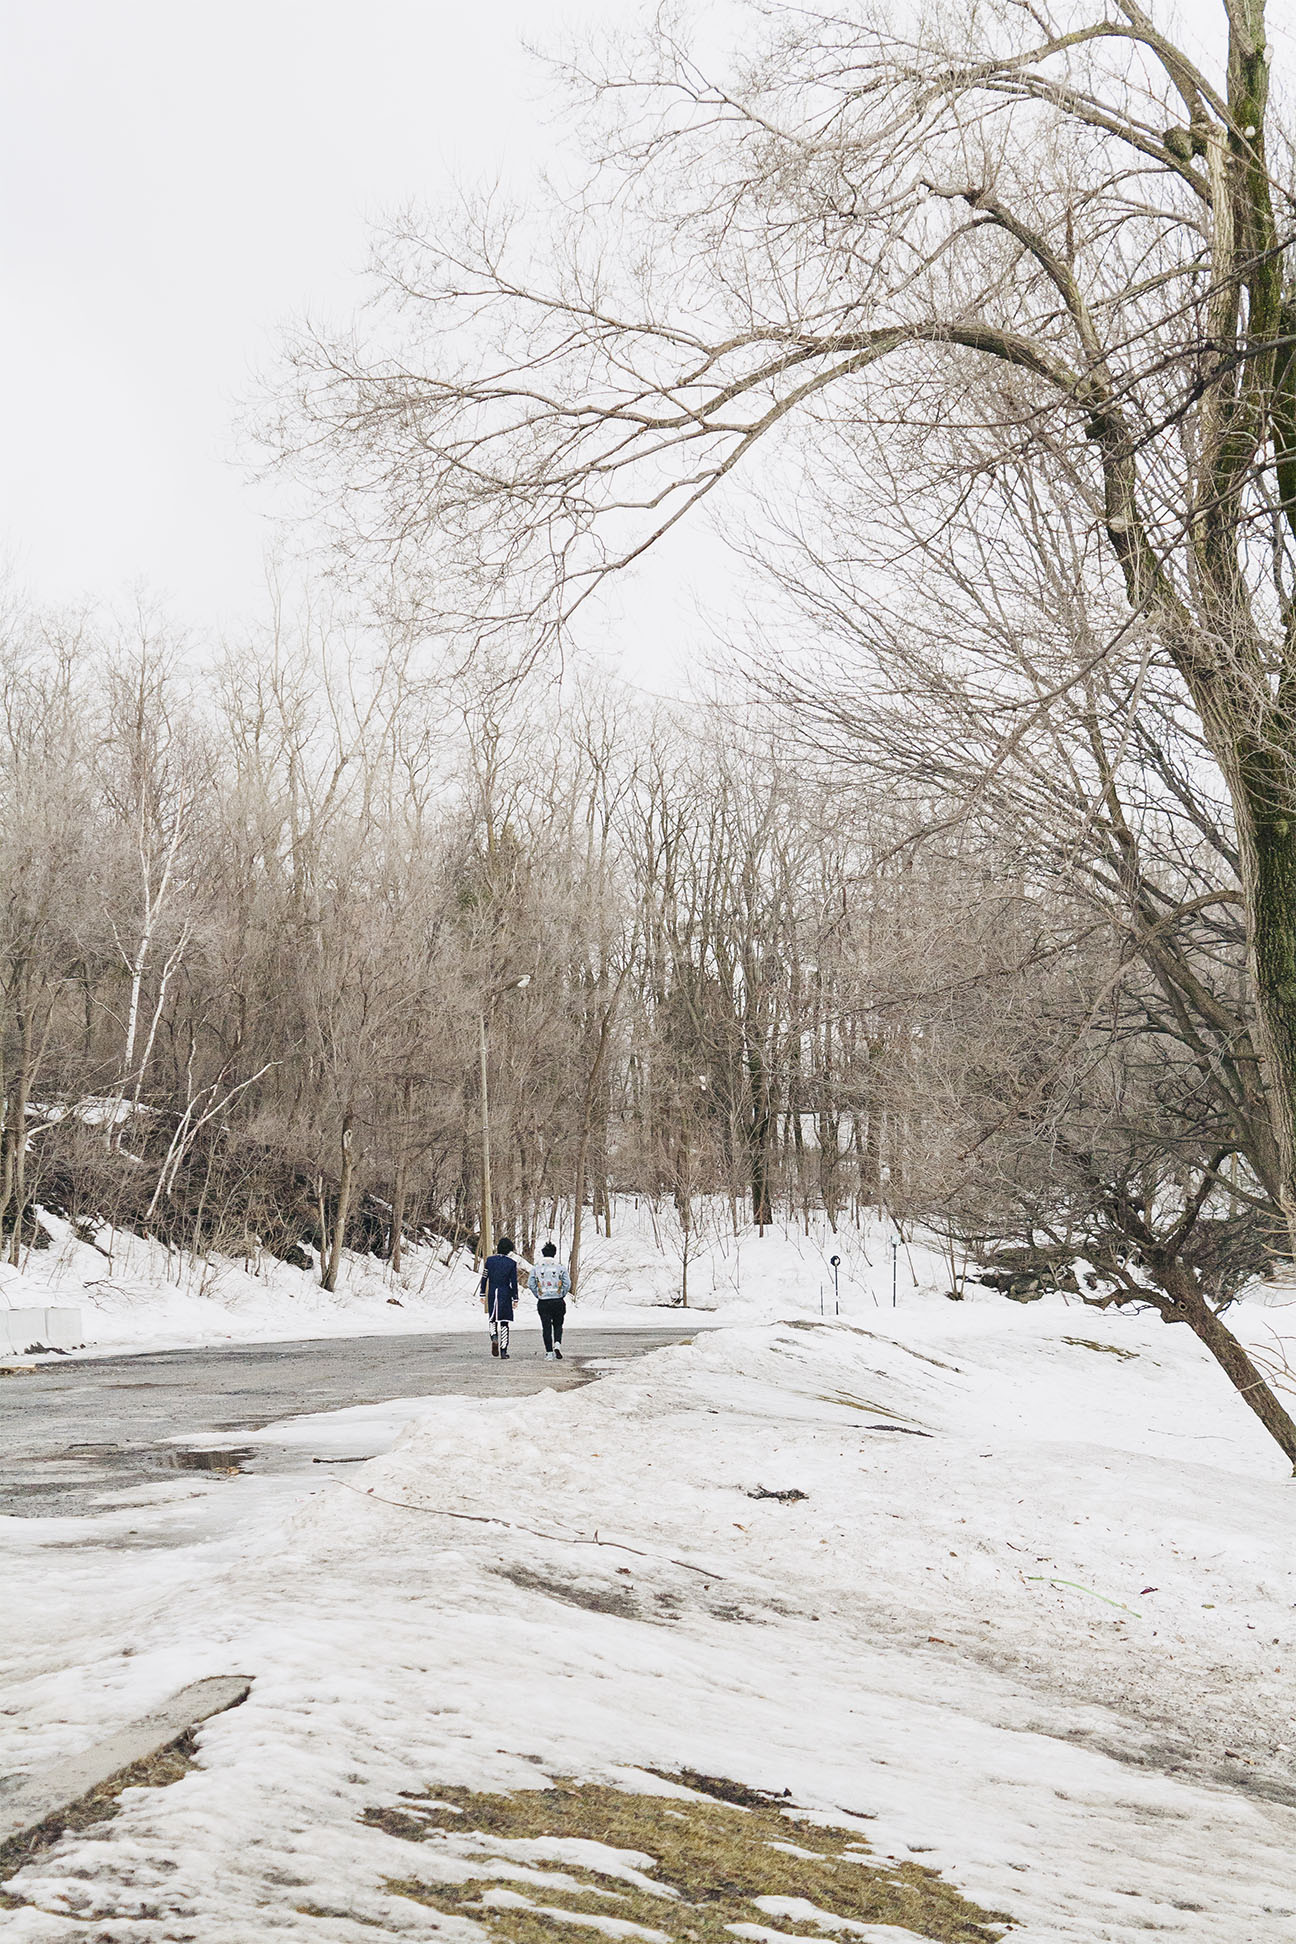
[[74, 1435]]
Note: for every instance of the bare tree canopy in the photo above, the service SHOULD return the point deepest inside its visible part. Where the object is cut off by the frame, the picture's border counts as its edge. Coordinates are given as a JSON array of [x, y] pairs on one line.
[[1043, 235], [1067, 197]]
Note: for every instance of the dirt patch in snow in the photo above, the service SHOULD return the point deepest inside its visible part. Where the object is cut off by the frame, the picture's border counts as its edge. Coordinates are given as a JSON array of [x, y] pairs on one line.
[[595, 1598]]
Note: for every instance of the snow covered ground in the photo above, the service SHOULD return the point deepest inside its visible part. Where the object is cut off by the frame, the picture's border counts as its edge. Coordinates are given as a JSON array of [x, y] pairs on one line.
[[1032, 1622], [135, 1294]]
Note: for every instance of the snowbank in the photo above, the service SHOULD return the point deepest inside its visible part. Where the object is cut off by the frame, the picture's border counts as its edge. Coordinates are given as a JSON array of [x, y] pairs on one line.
[[137, 1295], [1028, 1617]]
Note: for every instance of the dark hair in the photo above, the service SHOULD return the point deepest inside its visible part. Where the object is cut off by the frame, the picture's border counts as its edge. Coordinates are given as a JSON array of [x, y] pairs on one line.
[[549, 1249], [505, 1245]]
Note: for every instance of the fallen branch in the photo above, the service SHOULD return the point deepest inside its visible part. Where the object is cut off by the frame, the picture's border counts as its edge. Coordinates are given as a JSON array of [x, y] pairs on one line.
[[559, 1538]]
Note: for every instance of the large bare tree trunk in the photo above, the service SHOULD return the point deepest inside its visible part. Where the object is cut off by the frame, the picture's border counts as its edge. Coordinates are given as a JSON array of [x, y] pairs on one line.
[[6, 1161], [1250, 1383], [1265, 794], [18, 1113], [399, 1193], [759, 1138], [400, 1187], [587, 1124], [333, 1260], [487, 1239]]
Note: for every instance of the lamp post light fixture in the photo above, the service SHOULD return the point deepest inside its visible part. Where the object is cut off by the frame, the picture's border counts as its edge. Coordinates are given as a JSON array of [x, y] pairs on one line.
[[487, 1212]]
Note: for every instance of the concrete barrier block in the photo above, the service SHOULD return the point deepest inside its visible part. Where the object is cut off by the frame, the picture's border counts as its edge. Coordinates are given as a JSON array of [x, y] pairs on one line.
[[53, 1329], [35, 1798], [21, 1328]]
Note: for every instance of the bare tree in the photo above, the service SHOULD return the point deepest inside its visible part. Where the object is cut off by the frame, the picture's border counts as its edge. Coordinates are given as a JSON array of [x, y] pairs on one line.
[[154, 768], [1051, 218], [995, 732]]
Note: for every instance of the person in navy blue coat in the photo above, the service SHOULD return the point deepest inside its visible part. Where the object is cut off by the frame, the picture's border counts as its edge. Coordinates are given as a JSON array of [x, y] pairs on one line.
[[499, 1290]]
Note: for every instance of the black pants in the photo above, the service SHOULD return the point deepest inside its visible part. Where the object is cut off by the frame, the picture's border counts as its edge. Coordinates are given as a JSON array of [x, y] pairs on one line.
[[552, 1311]]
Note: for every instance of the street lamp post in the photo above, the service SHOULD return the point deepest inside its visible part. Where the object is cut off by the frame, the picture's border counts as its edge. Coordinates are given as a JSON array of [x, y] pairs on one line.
[[487, 1212]]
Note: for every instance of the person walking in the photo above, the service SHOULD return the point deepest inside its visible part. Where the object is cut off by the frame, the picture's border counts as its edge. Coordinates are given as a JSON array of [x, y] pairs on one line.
[[551, 1281], [498, 1290]]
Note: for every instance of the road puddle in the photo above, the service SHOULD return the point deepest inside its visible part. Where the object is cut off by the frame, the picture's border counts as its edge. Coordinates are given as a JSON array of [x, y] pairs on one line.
[[224, 1461], [219, 1460]]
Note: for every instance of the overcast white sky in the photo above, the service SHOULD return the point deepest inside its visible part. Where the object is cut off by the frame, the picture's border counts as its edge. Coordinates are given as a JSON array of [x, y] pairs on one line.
[[179, 180]]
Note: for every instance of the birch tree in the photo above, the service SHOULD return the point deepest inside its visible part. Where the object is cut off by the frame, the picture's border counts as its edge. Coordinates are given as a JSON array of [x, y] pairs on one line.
[[154, 771]]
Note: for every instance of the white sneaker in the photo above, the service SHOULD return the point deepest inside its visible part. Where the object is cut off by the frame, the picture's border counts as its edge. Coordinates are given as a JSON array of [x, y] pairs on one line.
[[551, 1356]]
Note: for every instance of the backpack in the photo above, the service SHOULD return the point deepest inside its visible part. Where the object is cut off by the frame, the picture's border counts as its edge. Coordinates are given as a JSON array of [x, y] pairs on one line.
[[547, 1277]]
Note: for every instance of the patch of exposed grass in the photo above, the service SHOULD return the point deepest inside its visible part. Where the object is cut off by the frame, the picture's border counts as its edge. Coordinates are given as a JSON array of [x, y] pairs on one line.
[[346, 1916], [156, 1771], [851, 1403], [1105, 1349], [713, 1858], [857, 1329]]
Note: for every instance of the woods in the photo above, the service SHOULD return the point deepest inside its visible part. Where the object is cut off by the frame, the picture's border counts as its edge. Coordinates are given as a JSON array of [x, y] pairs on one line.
[[964, 897], [990, 319], [264, 955], [274, 969]]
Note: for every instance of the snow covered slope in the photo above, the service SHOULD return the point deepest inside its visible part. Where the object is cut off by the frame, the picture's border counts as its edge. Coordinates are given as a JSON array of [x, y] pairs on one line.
[[135, 1294], [1028, 1615]]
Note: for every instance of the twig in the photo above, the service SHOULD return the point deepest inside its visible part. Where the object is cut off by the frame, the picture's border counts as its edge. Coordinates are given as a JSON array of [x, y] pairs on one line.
[[560, 1538], [1048, 1580]]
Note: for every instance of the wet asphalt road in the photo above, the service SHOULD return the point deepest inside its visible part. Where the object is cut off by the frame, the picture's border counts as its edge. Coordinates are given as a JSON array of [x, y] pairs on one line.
[[75, 1435]]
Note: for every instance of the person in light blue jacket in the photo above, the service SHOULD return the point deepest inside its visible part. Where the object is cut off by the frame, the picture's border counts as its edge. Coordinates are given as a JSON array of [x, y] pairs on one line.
[[552, 1285]]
